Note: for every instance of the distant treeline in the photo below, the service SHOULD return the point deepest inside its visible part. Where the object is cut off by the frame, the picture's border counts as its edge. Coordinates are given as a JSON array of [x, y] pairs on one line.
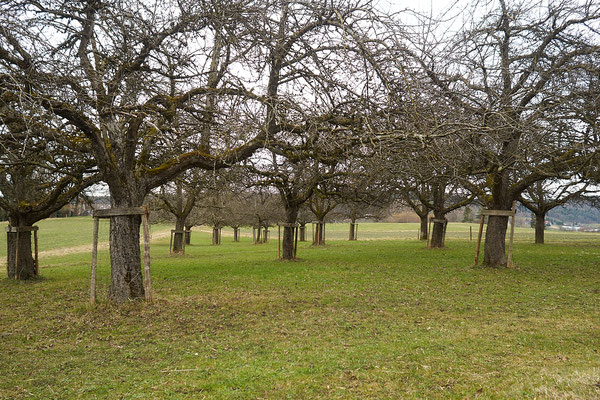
[[574, 214]]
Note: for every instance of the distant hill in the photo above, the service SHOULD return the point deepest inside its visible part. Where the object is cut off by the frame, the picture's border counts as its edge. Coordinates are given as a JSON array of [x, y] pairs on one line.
[[574, 215]]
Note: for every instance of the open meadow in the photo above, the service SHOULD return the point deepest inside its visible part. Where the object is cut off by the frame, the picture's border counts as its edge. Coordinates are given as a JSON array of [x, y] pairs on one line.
[[371, 319]]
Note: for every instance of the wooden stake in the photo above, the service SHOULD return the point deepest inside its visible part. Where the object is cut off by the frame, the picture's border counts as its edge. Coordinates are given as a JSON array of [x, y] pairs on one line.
[[470, 232], [429, 234], [479, 238], [37, 260], [279, 242], [296, 241], [94, 262], [17, 257], [147, 282], [444, 233], [509, 263]]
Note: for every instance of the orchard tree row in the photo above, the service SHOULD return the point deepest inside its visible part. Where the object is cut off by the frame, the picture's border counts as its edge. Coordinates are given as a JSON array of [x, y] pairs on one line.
[[498, 104]]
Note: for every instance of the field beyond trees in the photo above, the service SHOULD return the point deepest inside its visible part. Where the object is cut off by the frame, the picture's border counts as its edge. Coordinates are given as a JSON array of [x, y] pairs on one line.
[[367, 319]]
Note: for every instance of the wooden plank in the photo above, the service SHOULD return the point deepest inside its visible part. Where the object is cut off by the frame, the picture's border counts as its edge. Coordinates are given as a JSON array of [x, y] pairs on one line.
[[296, 241], [429, 234], [498, 213], [94, 262], [444, 233], [512, 235], [16, 229], [118, 212], [479, 239], [438, 221], [37, 260], [147, 281], [18, 271]]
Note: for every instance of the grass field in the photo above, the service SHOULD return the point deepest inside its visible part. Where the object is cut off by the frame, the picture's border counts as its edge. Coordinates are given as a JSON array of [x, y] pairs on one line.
[[368, 319]]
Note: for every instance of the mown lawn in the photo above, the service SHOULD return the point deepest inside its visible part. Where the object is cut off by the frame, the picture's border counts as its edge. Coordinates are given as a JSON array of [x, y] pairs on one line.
[[368, 319]]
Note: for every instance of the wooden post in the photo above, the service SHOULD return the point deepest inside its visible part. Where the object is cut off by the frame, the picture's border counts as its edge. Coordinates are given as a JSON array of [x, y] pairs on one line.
[[418, 233], [17, 270], [479, 238], [94, 261], [296, 241], [470, 232], [279, 242], [313, 232], [429, 234], [171, 244], [147, 282], [355, 231], [509, 263], [37, 260], [444, 234]]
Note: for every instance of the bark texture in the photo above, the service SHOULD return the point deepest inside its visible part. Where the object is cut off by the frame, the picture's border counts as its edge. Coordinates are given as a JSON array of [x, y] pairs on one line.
[[178, 236], [352, 232], [494, 254], [188, 234], [437, 236], [126, 270], [423, 219], [319, 239], [291, 213], [216, 236], [540, 226], [302, 232], [20, 263]]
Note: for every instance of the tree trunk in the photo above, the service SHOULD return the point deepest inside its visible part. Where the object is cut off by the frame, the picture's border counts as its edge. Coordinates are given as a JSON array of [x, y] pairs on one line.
[[236, 234], [216, 236], [258, 238], [178, 237], [302, 232], [20, 263], [495, 236], [291, 213], [188, 234], [266, 235], [423, 219], [126, 272], [540, 226], [437, 235], [352, 233], [319, 239]]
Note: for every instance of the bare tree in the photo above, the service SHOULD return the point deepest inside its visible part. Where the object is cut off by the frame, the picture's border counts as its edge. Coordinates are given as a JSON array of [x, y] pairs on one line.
[[509, 72], [108, 72], [543, 196], [40, 172]]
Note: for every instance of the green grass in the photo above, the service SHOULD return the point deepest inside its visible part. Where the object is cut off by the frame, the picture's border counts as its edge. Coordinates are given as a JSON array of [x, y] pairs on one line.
[[58, 233], [369, 319]]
